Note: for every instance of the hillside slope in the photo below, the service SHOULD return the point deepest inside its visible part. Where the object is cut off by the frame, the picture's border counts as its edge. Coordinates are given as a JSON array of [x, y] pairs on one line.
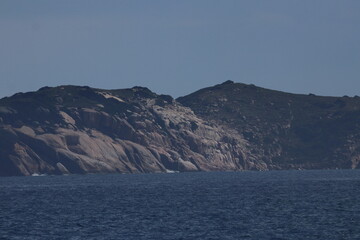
[[227, 127], [285, 130], [70, 129]]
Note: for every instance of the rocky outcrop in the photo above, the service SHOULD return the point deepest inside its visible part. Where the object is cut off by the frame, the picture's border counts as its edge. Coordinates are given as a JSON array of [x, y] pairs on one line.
[[228, 127], [83, 130]]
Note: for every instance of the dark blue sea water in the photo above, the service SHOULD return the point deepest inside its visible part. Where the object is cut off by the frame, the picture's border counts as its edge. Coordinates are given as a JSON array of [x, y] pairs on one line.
[[241, 205]]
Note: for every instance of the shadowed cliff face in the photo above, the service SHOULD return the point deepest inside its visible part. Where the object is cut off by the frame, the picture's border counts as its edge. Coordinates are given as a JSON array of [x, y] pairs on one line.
[[228, 127], [82, 130]]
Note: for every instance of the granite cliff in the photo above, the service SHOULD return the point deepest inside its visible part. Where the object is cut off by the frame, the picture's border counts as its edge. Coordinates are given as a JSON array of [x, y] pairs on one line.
[[228, 127]]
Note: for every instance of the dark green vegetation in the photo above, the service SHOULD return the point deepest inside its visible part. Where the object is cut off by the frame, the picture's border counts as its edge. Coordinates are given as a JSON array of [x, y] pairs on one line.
[[230, 126], [286, 130]]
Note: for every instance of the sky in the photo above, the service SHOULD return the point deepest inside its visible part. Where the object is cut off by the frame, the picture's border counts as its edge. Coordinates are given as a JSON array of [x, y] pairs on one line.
[[177, 47]]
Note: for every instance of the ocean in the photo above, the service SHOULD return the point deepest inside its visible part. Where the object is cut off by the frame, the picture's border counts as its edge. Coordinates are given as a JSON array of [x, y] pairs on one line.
[[216, 205]]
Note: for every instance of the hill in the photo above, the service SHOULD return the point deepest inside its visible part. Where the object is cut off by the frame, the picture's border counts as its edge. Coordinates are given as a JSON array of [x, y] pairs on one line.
[[285, 130], [227, 127]]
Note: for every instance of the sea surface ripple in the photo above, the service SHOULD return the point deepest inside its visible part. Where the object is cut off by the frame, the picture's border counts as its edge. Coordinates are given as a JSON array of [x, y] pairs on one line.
[[218, 205]]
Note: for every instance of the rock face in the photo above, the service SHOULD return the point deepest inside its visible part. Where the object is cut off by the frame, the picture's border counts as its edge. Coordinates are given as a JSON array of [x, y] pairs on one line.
[[228, 127], [82, 130]]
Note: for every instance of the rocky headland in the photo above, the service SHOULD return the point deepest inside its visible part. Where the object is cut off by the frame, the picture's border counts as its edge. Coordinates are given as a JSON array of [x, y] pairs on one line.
[[227, 127]]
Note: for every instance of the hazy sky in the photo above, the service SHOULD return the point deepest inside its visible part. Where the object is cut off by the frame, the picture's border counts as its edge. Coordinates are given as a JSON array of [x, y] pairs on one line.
[[177, 47]]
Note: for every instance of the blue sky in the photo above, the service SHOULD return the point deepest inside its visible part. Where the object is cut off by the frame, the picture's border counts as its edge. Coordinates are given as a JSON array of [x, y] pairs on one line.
[[177, 47]]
